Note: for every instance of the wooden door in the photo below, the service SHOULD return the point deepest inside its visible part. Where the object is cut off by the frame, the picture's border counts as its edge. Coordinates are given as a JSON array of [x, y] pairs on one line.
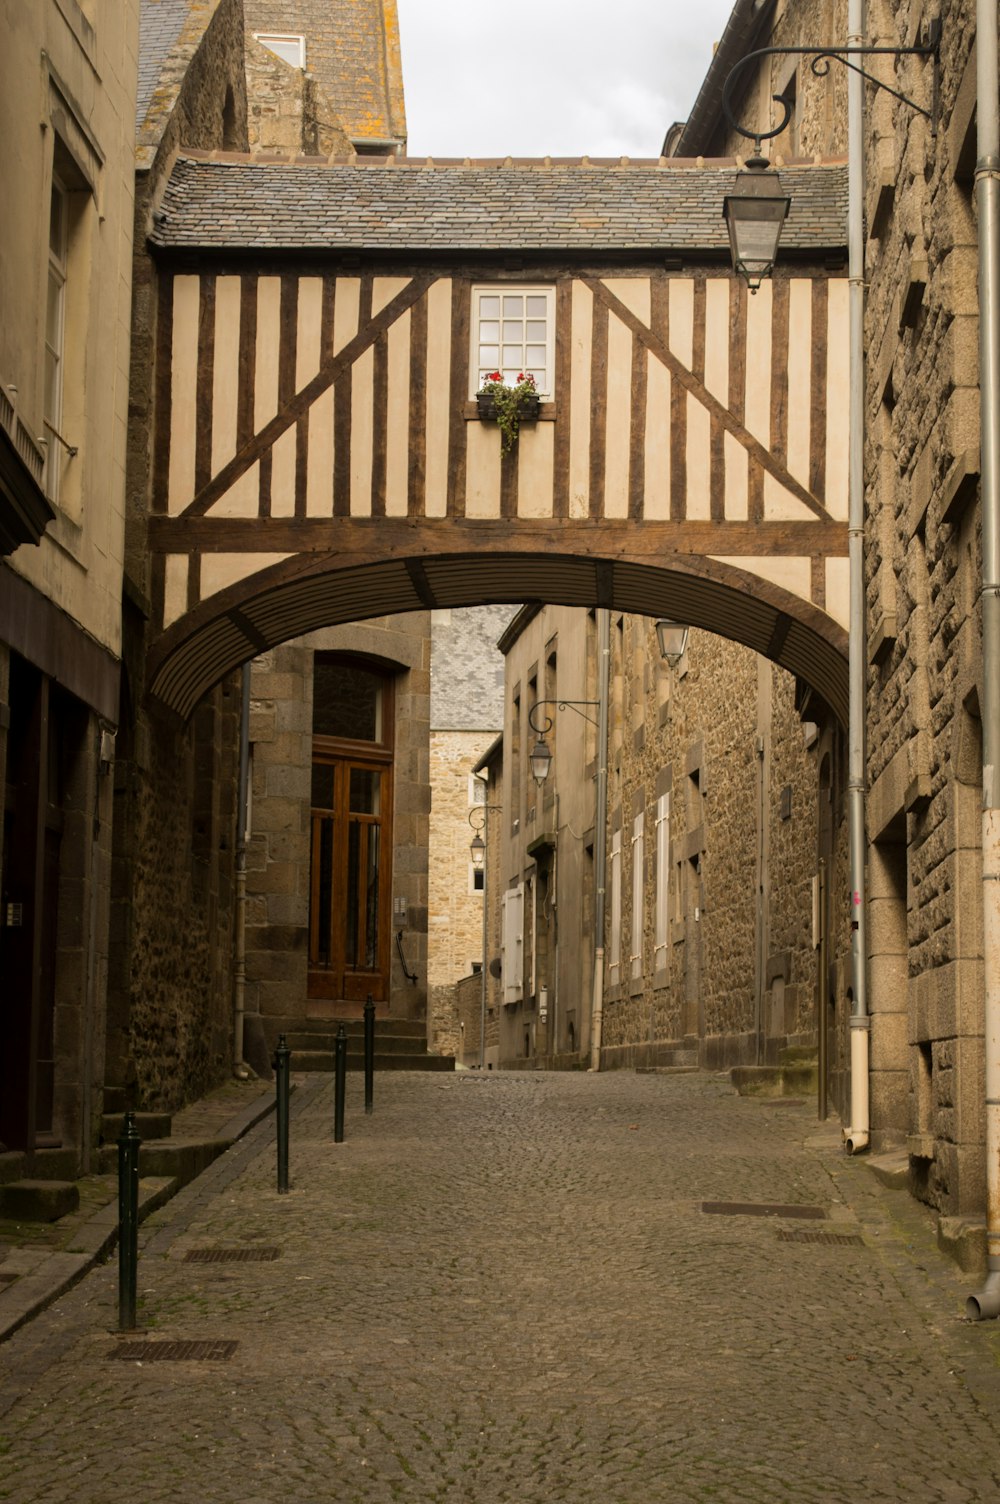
[[350, 918]]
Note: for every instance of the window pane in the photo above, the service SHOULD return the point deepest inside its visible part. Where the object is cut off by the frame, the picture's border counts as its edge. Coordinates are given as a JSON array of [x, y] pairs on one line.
[[512, 355], [489, 331], [513, 329], [347, 701], [513, 307], [366, 788], [322, 785], [540, 378], [489, 308], [535, 330], [489, 357], [510, 375], [538, 307], [535, 355]]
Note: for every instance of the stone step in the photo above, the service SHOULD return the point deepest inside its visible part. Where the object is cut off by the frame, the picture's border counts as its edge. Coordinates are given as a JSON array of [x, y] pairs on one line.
[[38, 1200], [385, 1028], [178, 1159], [147, 1124], [798, 1054], [774, 1080], [384, 1045], [323, 1060]]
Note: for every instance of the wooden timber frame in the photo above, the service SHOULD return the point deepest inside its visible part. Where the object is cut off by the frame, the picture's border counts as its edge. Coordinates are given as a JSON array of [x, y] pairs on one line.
[[317, 456]]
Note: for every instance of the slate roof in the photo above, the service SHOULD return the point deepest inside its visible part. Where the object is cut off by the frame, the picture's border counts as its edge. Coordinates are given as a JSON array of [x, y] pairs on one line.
[[160, 25], [418, 206]]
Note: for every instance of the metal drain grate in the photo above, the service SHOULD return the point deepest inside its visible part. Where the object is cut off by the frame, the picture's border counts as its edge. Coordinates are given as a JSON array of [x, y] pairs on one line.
[[205, 1351], [835, 1239], [254, 1255], [761, 1209]]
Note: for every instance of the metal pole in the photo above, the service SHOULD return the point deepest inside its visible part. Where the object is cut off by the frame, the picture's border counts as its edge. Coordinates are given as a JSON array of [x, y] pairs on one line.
[[600, 833], [987, 1302], [128, 1222], [339, 1083], [282, 1055], [369, 1054], [822, 1005], [486, 887], [856, 1136]]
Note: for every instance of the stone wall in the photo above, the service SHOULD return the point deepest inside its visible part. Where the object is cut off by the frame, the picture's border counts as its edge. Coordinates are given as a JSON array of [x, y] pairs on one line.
[[923, 569]]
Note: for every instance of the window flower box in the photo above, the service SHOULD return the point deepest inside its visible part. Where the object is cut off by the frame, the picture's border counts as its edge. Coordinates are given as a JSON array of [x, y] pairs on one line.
[[508, 406]]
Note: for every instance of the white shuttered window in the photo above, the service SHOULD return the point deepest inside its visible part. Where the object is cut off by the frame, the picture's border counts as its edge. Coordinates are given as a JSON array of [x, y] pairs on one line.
[[638, 857], [512, 944], [662, 933], [615, 882]]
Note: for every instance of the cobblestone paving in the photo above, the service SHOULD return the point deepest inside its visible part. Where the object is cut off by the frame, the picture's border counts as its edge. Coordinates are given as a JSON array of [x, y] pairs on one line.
[[504, 1289]]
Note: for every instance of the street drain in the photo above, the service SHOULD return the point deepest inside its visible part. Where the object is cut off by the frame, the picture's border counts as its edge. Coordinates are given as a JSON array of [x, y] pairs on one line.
[[254, 1255], [205, 1351], [835, 1239], [761, 1209]]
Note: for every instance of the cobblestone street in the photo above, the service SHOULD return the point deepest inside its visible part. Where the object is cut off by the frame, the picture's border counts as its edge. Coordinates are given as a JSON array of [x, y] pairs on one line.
[[506, 1288]]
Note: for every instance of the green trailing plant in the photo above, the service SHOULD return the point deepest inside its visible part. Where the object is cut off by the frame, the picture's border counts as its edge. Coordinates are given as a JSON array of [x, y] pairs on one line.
[[508, 405]]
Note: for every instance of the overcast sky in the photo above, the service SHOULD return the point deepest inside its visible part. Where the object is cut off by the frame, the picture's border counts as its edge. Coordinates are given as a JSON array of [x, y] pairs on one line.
[[533, 78]]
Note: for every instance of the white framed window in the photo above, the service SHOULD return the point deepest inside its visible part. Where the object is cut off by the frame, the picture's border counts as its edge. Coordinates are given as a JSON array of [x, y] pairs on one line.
[[662, 927], [615, 884], [512, 944], [287, 45], [638, 858], [513, 332], [477, 791]]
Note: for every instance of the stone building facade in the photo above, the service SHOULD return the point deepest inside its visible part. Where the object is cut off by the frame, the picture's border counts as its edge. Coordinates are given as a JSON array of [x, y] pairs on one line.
[[922, 561], [67, 106], [466, 716], [724, 847]]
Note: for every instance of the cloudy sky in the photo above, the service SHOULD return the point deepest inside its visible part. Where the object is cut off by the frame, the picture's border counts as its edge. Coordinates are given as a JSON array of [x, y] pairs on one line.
[[552, 77]]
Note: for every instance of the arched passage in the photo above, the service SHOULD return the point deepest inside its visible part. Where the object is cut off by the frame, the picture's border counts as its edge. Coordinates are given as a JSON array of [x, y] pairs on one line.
[[305, 592]]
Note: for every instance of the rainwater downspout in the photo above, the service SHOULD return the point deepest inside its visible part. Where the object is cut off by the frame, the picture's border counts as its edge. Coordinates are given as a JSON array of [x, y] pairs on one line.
[[240, 968], [856, 1136], [986, 1302], [600, 833]]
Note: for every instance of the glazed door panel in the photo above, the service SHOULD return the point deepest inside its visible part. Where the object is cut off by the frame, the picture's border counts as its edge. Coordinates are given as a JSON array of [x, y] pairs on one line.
[[349, 920]]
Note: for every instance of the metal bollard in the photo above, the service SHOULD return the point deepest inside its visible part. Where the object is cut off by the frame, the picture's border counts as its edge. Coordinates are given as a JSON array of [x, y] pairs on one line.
[[339, 1083], [282, 1055], [369, 1054], [128, 1222]]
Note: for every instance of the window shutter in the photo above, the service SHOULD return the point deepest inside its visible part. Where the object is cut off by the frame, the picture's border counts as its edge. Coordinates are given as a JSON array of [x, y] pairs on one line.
[[662, 881], [638, 895], [615, 946], [512, 948]]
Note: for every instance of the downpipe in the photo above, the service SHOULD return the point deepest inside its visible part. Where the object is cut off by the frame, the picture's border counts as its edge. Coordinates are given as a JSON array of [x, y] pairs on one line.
[[985, 1304], [857, 1135], [600, 833], [240, 1069]]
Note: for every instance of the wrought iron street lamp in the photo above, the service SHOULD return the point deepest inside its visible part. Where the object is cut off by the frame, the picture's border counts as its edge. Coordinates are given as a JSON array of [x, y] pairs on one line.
[[672, 638], [541, 753], [756, 208]]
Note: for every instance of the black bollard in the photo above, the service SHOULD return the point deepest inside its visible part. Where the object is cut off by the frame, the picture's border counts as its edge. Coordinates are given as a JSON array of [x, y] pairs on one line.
[[369, 1054], [128, 1222], [282, 1055], [339, 1083]]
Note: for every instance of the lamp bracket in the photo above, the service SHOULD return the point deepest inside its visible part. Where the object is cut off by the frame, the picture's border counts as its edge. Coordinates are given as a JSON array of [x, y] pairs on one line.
[[821, 58], [548, 721]]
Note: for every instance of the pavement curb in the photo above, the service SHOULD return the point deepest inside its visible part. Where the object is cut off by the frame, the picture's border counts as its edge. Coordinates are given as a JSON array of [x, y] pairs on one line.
[[96, 1239]]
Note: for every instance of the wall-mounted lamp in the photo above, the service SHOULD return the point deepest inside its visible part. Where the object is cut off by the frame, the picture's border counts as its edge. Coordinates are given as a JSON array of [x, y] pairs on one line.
[[672, 637], [756, 208], [541, 754]]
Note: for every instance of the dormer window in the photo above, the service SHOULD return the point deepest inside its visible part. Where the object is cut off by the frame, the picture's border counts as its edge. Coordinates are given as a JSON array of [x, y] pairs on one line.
[[286, 45]]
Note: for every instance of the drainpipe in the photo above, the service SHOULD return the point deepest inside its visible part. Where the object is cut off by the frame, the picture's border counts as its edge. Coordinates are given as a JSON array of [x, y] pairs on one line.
[[240, 968], [856, 1136], [987, 1301], [600, 833]]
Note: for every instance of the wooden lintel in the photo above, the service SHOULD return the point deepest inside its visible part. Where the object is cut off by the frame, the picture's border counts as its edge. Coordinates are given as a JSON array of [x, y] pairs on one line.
[[385, 537]]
